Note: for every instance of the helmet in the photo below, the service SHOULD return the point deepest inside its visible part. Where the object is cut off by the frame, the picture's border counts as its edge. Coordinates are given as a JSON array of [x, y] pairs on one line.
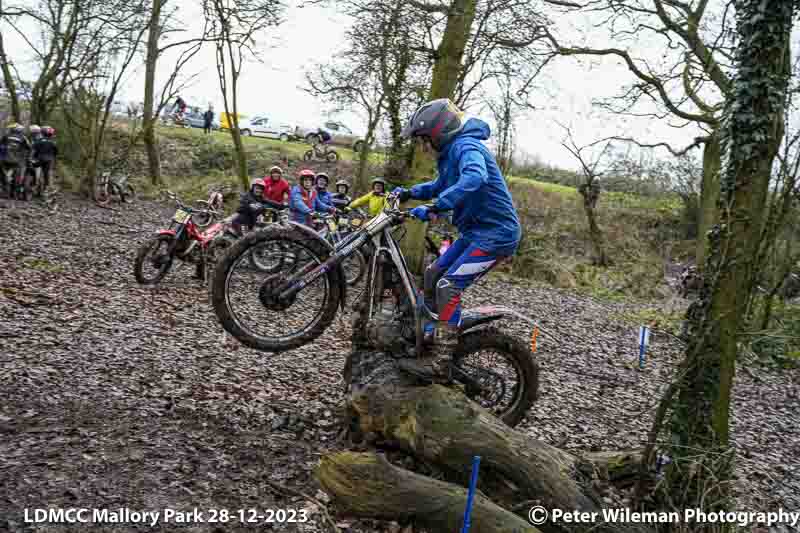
[[305, 173], [48, 131], [257, 183], [34, 129], [439, 120], [379, 180], [341, 183], [277, 169], [322, 176]]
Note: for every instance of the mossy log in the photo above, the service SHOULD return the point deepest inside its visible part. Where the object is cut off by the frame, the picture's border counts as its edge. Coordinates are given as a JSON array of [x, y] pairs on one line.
[[367, 485], [441, 427]]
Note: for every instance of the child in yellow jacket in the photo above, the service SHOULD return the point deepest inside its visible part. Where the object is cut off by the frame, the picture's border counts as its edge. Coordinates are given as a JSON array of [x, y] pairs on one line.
[[375, 198]]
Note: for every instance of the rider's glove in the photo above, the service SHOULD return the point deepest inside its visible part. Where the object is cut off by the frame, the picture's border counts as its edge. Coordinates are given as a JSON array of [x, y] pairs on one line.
[[422, 212], [403, 194]]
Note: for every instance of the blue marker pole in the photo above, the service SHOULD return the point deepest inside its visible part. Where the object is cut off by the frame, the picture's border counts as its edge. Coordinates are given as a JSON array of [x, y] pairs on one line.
[[644, 338], [473, 480]]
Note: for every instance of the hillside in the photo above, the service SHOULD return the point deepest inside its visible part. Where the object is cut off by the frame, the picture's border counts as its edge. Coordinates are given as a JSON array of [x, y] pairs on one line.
[[644, 234]]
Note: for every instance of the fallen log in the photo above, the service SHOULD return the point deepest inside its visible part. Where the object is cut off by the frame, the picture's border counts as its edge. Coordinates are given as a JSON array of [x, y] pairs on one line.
[[367, 485], [441, 427]]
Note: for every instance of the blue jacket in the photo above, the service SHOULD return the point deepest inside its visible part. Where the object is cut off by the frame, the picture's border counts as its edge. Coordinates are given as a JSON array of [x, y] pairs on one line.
[[471, 184], [302, 204], [324, 201]]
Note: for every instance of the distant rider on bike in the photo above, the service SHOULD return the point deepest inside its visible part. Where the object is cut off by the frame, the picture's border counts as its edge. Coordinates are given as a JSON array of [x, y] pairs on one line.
[[471, 185], [340, 198], [45, 152], [17, 149], [303, 201], [179, 108], [376, 199]]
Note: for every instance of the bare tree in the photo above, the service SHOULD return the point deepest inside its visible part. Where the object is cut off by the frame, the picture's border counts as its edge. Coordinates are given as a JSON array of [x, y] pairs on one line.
[[688, 81], [698, 405], [590, 189], [233, 25], [159, 28]]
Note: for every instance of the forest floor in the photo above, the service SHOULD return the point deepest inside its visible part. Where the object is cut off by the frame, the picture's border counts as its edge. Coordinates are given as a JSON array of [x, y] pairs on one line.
[[113, 395]]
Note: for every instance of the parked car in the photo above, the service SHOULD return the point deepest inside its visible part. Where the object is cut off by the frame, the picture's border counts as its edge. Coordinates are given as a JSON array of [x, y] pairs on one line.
[[341, 135], [266, 127], [196, 120]]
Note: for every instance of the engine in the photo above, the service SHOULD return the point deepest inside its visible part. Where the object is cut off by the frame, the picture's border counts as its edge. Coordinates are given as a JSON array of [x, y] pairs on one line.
[[391, 328]]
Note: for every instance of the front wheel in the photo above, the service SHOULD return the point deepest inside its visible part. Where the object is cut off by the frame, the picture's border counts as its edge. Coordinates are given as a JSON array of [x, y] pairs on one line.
[[153, 260], [498, 372], [308, 155], [332, 156], [354, 268], [247, 301]]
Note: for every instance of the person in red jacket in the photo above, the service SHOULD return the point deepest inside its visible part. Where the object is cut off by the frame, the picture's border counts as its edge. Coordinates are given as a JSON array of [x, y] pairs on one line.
[[277, 188]]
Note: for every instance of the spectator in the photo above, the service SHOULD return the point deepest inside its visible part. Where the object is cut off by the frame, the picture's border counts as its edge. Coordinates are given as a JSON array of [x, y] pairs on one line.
[[208, 119]]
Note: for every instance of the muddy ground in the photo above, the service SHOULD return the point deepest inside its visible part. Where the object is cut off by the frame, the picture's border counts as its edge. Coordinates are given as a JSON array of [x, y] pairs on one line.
[[117, 396]]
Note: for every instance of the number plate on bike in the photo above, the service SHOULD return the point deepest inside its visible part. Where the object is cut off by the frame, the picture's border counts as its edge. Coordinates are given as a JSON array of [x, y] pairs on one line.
[[180, 216], [356, 222]]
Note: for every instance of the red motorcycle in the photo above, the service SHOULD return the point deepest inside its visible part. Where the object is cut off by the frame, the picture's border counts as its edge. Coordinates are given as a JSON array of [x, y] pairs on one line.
[[183, 241]]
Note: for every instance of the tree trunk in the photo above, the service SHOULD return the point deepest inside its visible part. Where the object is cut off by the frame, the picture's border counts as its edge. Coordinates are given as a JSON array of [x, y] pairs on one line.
[[367, 485], [700, 473], [590, 193], [709, 196], [441, 427], [446, 71], [8, 80], [148, 117]]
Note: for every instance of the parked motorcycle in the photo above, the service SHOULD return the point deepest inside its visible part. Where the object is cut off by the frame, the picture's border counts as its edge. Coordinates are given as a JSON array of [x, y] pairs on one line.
[[211, 209], [291, 308], [334, 228], [182, 241], [106, 187]]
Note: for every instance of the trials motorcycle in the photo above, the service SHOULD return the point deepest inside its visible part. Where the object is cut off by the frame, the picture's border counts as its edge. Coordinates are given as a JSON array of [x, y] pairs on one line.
[[290, 308]]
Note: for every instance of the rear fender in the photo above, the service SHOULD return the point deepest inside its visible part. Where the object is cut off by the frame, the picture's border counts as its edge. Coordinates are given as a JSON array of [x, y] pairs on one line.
[[477, 316], [338, 272]]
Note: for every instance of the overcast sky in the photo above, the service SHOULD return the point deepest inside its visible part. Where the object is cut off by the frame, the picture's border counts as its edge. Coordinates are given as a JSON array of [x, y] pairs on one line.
[[312, 34]]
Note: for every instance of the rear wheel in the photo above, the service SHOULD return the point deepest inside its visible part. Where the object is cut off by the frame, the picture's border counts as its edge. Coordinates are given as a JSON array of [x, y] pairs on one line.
[[247, 302], [128, 193], [102, 194], [498, 372], [153, 260], [332, 156], [284, 137], [246, 133]]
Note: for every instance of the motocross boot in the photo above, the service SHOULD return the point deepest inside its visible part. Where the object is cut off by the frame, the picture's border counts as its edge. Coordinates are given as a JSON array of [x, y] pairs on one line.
[[434, 365]]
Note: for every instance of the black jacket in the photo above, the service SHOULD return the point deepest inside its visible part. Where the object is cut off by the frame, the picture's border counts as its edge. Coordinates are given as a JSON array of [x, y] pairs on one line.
[[45, 150], [17, 147]]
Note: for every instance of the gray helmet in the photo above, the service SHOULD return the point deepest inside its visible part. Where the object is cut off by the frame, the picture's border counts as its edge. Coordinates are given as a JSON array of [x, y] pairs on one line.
[[342, 182], [439, 120]]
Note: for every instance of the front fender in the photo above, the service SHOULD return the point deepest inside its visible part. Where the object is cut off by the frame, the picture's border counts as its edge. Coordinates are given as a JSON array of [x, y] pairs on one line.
[[339, 271], [166, 232]]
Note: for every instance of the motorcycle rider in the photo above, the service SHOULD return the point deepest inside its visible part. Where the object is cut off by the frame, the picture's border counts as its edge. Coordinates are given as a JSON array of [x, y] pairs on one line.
[[376, 198], [35, 133], [250, 206], [45, 152], [179, 108], [340, 199], [17, 150], [324, 197], [303, 200], [471, 185]]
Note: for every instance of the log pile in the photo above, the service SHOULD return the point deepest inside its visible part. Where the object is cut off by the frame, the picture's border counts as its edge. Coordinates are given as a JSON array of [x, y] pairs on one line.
[[438, 426]]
